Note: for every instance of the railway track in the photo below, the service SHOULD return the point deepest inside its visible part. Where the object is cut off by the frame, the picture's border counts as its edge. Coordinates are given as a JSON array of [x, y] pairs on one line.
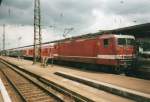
[[10, 90], [31, 89], [56, 89], [70, 96]]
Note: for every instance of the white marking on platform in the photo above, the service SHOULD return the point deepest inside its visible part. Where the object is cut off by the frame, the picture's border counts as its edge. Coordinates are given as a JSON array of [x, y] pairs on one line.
[[110, 85], [4, 93], [21, 67]]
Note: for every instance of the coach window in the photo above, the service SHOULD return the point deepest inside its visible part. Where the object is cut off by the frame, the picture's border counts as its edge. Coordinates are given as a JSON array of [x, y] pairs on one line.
[[106, 42]]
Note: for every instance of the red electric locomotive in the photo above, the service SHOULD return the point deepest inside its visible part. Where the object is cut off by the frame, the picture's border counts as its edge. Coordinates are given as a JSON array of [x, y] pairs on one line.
[[113, 51]]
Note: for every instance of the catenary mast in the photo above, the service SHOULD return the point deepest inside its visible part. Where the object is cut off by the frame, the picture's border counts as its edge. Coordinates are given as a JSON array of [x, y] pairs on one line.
[[4, 39], [37, 31]]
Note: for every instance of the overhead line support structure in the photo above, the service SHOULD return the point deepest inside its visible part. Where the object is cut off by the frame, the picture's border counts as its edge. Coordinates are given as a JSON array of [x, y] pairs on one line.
[[37, 32], [4, 39]]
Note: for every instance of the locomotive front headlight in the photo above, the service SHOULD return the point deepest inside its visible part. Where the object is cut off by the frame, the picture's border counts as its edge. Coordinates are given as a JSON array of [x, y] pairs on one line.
[[118, 49]]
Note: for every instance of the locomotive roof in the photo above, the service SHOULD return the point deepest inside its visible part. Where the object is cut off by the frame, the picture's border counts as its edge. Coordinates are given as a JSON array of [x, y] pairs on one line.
[[117, 36]]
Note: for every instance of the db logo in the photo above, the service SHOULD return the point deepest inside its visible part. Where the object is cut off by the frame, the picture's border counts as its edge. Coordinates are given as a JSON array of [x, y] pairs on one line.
[[98, 43]]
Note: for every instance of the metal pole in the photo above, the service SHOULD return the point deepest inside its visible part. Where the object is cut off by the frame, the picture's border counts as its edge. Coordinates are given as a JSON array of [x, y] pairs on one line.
[[40, 36], [37, 31], [4, 39], [34, 54]]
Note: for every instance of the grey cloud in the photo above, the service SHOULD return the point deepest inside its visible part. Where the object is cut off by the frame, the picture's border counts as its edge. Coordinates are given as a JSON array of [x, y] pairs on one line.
[[136, 11], [20, 4], [126, 7], [69, 13], [16, 12], [72, 13]]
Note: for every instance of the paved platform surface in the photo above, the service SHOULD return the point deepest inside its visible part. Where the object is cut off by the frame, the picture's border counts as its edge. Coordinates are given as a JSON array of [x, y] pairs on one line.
[[1, 98], [48, 72], [4, 96]]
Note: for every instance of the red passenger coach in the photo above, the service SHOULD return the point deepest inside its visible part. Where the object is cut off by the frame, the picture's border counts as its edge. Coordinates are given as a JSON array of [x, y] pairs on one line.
[[45, 51], [112, 50]]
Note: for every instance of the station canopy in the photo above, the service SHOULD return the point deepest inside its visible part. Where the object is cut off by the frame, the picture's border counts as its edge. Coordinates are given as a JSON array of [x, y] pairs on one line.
[[139, 31], [0, 2]]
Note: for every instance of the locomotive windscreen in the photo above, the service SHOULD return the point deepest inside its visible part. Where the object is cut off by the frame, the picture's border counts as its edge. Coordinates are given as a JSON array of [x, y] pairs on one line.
[[125, 41], [130, 41]]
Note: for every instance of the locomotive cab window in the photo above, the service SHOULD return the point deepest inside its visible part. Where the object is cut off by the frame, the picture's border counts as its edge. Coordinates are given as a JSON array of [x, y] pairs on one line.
[[121, 41], [106, 42], [130, 42], [125, 41]]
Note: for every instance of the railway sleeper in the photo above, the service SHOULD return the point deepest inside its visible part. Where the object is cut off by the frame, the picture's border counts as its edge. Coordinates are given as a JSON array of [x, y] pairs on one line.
[[28, 93], [28, 88], [35, 95], [38, 98]]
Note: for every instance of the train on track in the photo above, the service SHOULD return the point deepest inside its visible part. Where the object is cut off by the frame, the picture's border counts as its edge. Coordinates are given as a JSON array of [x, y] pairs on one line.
[[111, 51]]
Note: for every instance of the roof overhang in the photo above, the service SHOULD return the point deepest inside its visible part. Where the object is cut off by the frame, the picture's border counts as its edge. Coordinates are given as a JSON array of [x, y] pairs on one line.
[[139, 31], [0, 2]]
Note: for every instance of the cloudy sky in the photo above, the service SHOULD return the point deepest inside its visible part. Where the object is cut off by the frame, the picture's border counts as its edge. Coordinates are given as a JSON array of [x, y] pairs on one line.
[[84, 16]]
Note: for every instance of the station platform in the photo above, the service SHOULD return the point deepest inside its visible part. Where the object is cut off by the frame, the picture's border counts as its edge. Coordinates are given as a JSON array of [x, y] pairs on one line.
[[139, 85], [4, 96], [1, 98]]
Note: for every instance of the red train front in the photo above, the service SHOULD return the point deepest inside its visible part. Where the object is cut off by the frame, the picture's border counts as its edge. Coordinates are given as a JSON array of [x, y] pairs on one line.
[[116, 50]]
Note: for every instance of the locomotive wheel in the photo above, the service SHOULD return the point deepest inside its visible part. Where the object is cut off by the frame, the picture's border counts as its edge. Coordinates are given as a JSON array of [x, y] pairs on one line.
[[129, 73], [118, 70]]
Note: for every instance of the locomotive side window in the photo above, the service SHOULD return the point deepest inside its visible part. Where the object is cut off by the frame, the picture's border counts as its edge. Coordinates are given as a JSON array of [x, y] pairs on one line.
[[121, 41], [106, 42]]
